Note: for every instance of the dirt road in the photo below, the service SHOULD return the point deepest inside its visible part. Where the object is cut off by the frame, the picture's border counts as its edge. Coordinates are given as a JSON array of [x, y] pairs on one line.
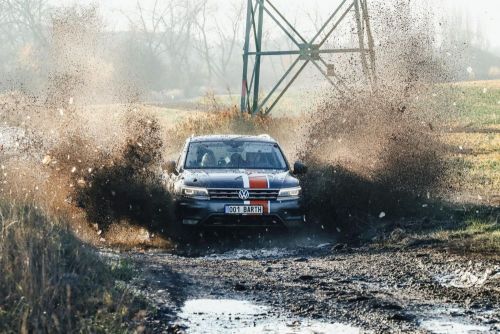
[[316, 286]]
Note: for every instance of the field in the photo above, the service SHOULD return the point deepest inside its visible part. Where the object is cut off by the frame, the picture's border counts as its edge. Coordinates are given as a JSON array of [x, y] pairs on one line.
[[476, 139], [461, 217]]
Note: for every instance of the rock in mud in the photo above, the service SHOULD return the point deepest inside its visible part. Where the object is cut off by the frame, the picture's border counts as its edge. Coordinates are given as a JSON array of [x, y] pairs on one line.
[[402, 316], [239, 287], [339, 247], [305, 278]]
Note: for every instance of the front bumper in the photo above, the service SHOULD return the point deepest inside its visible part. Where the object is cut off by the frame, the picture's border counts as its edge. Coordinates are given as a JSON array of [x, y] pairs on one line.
[[211, 213]]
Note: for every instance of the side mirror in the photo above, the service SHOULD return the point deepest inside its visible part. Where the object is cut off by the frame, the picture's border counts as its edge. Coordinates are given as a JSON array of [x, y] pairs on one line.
[[299, 168], [169, 167]]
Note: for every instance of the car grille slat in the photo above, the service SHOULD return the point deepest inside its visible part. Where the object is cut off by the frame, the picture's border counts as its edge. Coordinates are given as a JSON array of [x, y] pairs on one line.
[[255, 194]]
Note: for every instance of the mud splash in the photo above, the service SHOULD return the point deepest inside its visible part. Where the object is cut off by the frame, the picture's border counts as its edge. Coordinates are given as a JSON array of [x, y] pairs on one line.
[[368, 162]]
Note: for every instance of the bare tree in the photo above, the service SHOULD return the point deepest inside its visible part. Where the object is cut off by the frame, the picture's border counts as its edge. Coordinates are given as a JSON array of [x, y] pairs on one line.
[[204, 48], [219, 53], [167, 29], [228, 39], [23, 21]]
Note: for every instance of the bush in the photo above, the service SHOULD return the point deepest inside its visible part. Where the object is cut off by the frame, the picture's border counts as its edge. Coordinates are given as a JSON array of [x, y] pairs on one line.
[[50, 282]]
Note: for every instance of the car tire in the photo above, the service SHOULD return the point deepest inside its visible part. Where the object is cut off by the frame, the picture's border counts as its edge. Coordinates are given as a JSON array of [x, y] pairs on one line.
[[183, 233]]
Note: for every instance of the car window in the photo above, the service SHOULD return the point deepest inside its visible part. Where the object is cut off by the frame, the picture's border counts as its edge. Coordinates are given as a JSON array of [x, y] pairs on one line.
[[182, 155], [234, 154]]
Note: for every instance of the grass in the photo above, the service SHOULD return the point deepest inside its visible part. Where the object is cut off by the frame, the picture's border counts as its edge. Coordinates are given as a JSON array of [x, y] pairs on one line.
[[476, 104], [52, 283], [230, 121], [476, 161], [476, 234]]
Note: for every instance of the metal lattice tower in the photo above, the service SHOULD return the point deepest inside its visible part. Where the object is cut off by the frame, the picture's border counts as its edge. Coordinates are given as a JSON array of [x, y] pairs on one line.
[[307, 51]]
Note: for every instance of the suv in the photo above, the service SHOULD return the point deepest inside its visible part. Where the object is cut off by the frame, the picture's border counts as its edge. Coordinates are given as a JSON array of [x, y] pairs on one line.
[[235, 181]]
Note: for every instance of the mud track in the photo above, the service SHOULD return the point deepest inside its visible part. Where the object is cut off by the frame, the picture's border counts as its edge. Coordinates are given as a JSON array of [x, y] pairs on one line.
[[303, 286]]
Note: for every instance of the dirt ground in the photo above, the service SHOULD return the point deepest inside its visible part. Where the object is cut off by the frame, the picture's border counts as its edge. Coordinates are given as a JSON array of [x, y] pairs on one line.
[[295, 284]]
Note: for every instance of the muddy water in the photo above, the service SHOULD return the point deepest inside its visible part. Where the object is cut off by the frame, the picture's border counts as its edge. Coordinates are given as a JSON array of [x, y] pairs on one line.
[[239, 316], [450, 326], [451, 320]]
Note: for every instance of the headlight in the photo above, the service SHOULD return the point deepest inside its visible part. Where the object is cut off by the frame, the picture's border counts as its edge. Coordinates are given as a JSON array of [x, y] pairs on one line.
[[290, 193], [192, 192]]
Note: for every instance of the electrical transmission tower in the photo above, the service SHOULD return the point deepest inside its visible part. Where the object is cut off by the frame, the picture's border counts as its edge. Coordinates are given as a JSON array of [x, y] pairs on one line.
[[307, 51]]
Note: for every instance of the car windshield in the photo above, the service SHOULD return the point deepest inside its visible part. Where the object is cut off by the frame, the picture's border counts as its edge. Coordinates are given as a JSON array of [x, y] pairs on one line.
[[235, 154]]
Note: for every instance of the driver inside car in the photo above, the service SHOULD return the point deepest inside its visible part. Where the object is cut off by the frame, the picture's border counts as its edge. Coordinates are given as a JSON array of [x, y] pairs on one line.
[[236, 161], [208, 160]]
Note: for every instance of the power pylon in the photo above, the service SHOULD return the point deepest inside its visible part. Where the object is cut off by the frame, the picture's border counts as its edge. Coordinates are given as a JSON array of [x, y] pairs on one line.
[[307, 51]]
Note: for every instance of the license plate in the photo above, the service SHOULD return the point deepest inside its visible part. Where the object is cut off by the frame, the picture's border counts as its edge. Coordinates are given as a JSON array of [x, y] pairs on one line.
[[244, 209]]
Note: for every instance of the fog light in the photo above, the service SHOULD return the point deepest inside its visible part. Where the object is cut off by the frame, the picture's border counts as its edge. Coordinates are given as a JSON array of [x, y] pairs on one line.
[[189, 221]]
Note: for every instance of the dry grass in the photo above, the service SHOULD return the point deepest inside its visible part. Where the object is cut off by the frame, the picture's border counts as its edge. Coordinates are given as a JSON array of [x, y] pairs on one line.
[[51, 283], [476, 160], [287, 130]]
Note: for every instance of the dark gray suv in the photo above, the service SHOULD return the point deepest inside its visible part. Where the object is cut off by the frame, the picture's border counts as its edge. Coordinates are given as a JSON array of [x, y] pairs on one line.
[[235, 181]]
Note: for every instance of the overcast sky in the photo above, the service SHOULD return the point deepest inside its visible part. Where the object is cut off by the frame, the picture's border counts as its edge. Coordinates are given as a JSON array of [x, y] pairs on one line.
[[485, 11]]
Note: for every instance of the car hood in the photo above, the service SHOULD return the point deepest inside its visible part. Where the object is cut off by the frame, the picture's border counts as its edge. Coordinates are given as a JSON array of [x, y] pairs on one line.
[[235, 178]]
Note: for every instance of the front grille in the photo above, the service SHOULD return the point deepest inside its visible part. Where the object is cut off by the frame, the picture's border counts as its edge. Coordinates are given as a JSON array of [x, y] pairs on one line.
[[255, 194]]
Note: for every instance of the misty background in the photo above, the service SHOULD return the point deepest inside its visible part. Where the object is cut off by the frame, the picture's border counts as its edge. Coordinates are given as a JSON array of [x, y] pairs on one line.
[[176, 50]]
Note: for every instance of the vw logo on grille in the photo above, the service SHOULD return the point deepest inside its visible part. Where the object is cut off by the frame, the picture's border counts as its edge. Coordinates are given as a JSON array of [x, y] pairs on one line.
[[243, 194]]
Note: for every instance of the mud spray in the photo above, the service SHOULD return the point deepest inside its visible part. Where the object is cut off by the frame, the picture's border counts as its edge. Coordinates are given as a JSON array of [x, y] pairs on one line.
[[371, 155], [94, 165], [376, 154]]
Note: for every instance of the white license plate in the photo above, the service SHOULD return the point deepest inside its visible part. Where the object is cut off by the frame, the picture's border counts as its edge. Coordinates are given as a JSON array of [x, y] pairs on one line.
[[244, 209]]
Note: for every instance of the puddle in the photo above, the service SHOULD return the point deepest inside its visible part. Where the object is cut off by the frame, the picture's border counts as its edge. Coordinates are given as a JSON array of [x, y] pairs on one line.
[[235, 316], [449, 326], [452, 321]]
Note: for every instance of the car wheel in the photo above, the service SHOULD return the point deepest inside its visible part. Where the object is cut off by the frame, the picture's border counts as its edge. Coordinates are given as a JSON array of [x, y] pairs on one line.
[[183, 233]]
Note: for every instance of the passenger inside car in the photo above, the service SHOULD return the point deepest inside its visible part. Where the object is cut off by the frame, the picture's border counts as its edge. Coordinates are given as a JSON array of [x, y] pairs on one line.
[[208, 160]]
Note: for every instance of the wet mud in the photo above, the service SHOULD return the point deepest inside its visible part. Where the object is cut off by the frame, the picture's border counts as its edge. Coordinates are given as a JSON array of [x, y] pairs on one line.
[[318, 286]]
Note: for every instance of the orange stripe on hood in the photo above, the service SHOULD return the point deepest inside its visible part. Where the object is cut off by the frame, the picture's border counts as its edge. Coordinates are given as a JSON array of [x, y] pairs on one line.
[[260, 182]]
